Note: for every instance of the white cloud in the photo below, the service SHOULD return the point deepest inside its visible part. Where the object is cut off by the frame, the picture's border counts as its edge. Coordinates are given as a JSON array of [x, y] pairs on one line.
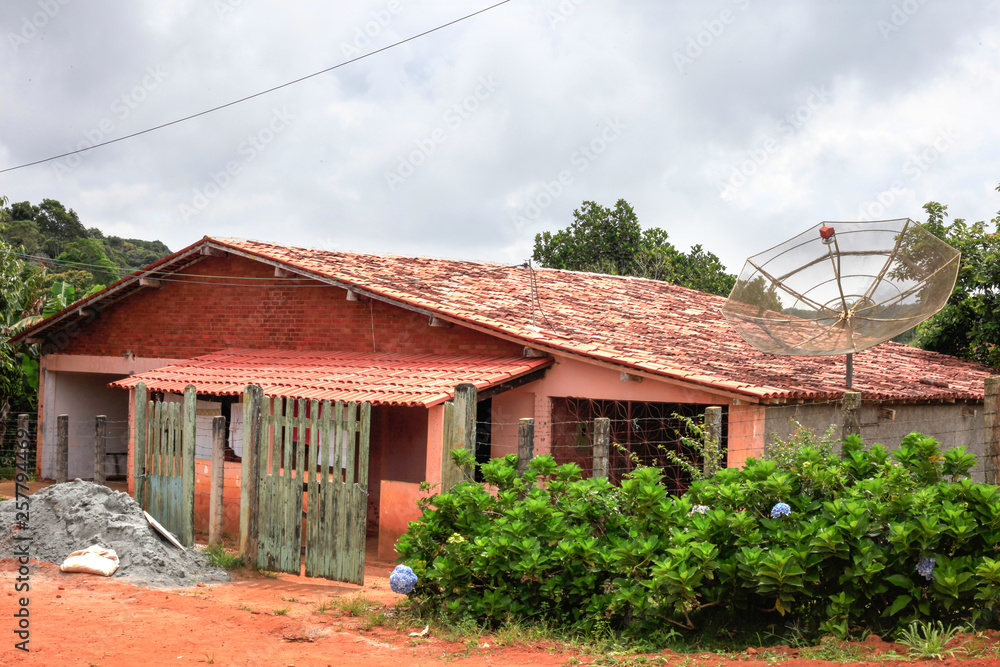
[[561, 76]]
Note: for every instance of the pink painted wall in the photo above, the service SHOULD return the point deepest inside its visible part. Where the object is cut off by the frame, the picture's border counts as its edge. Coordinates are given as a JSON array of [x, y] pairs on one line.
[[397, 509], [435, 433], [572, 378], [746, 433], [508, 408]]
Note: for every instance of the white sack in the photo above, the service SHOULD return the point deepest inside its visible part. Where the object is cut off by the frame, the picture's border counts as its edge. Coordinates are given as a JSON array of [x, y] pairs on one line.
[[92, 560]]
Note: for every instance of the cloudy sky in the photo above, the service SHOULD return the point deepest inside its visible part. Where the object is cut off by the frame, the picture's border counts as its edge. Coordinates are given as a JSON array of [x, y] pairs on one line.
[[730, 123]]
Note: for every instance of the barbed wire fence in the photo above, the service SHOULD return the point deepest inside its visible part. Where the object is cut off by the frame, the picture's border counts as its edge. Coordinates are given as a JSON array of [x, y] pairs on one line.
[[605, 438], [657, 434], [9, 446]]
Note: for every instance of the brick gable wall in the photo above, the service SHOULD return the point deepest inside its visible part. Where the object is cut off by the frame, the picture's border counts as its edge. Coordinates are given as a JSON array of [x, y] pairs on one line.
[[181, 319]]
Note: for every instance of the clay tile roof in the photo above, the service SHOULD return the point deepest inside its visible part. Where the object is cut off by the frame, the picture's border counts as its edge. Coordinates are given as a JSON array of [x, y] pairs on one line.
[[638, 324], [382, 379]]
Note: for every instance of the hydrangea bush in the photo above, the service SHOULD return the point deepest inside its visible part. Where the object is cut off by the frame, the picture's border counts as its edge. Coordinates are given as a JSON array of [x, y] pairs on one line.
[[866, 540]]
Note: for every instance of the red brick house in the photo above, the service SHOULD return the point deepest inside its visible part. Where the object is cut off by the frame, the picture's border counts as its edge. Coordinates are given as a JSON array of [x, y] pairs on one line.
[[401, 332]]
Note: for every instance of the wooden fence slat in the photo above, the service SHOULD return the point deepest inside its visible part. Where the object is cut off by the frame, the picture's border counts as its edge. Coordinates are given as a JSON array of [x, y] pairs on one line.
[[62, 449], [186, 465], [100, 449], [299, 486], [217, 484], [272, 453], [350, 441], [364, 437], [602, 446], [713, 431], [525, 444], [139, 446], [322, 535], [287, 452], [250, 492], [465, 426], [447, 444], [156, 488], [273, 450], [851, 414], [343, 506], [332, 550], [168, 450]]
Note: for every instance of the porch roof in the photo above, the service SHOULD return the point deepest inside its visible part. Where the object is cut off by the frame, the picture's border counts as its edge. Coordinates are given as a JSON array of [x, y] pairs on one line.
[[381, 379]]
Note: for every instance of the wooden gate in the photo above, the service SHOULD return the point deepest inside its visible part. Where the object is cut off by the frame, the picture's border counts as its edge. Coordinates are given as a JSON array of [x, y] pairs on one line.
[[164, 461], [310, 464]]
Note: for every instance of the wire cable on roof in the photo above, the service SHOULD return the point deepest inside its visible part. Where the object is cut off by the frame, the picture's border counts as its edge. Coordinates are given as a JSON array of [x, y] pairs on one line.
[[534, 297], [258, 94]]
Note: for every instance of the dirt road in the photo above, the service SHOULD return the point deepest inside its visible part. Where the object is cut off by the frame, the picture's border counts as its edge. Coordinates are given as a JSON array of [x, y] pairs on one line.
[[86, 620]]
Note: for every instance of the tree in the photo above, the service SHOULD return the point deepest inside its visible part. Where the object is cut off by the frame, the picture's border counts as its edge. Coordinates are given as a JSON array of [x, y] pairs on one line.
[[969, 324], [19, 295], [612, 241], [88, 255]]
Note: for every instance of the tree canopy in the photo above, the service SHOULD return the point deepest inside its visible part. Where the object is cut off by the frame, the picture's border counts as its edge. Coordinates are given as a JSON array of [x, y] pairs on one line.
[[55, 237], [47, 259], [612, 241], [969, 324]]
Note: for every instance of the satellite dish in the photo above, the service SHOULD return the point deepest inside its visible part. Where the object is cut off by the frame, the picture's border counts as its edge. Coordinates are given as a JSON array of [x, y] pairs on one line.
[[841, 287]]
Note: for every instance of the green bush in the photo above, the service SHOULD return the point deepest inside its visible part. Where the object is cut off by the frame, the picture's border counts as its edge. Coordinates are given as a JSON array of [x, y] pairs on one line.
[[584, 554]]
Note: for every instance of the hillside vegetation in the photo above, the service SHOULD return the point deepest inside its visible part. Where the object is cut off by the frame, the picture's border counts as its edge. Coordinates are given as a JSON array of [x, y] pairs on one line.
[[54, 237]]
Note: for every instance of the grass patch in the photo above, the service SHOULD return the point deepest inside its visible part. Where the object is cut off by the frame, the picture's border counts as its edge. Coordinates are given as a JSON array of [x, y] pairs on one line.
[[355, 606], [835, 650], [219, 557], [928, 640]]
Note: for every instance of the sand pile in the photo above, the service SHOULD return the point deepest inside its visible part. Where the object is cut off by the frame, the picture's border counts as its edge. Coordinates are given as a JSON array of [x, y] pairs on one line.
[[67, 517]]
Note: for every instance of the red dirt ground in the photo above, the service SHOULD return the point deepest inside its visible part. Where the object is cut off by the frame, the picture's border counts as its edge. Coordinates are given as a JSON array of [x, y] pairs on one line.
[[79, 619]]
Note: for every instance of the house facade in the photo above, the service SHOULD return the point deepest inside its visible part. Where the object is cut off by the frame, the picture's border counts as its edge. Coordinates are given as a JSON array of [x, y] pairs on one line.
[[400, 332]]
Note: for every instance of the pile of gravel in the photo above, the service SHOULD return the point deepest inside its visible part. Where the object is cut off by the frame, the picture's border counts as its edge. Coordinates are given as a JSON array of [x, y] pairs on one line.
[[68, 517]]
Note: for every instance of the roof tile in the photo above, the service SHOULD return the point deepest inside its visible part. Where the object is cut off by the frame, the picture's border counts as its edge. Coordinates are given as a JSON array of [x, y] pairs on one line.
[[647, 325], [386, 379]]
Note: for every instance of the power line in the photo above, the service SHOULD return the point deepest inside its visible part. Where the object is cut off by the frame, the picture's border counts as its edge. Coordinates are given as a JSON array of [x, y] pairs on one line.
[[263, 92]]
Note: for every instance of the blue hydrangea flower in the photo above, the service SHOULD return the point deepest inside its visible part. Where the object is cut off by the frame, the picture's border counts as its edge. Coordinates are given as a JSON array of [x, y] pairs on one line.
[[781, 509], [699, 509], [402, 580], [925, 568]]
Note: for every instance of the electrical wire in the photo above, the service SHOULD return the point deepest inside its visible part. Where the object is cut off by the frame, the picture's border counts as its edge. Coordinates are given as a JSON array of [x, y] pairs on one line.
[[258, 94]]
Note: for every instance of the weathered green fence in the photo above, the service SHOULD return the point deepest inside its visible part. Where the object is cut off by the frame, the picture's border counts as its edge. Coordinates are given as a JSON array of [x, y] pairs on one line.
[[164, 461], [312, 455]]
